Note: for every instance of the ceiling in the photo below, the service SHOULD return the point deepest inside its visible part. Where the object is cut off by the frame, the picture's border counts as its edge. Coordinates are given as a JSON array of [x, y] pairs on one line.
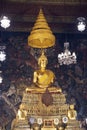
[[60, 14]]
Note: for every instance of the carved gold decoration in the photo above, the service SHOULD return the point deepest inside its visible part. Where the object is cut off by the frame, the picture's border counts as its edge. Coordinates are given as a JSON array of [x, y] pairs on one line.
[[35, 106], [36, 109], [41, 35]]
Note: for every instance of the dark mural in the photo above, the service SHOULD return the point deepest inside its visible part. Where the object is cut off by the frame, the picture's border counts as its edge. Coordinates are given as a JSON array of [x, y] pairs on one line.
[[21, 61]]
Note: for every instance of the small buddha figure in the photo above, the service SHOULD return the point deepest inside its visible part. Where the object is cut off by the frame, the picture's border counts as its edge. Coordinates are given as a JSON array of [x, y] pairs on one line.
[[22, 113], [21, 116], [72, 113]]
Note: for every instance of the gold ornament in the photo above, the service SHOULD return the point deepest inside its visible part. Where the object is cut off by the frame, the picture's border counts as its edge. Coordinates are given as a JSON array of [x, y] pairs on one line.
[[41, 35]]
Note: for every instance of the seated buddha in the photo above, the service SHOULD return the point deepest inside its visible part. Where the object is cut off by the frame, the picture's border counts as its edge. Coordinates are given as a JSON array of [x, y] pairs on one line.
[[21, 116], [72, 114], [22, 113], [43, 78]]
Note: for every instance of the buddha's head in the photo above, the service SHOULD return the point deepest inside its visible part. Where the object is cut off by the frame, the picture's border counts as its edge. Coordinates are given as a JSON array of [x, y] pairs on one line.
[[42, 61], [71, 106], [22, 107]]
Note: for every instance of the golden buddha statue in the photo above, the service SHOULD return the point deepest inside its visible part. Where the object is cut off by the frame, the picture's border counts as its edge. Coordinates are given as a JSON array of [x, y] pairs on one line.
[[43, 78], [72, 113]]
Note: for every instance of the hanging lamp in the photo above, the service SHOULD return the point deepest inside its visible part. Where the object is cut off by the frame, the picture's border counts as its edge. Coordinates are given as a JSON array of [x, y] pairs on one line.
[[5, 22]]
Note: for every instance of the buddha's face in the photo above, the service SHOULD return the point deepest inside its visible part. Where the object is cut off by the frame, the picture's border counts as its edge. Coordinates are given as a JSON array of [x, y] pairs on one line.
[[43, 63]]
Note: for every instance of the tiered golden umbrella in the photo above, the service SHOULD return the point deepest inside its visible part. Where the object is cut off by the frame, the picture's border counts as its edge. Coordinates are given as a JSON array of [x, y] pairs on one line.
[[41, 35]]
